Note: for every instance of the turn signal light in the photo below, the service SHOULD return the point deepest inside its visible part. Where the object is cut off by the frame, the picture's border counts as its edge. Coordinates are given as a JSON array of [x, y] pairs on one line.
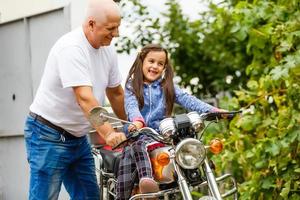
[[216, 146], [163, 159], [158, 163]]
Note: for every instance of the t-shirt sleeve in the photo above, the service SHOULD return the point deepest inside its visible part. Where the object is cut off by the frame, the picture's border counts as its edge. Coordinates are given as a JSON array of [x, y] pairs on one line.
[[115, 77], [73, 67]]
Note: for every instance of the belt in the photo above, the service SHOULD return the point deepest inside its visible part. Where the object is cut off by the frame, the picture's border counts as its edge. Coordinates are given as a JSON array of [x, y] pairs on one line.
[[64, 133]]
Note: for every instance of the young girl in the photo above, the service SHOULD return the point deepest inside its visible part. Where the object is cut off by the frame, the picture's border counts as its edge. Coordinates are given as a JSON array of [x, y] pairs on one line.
[[149, 97]]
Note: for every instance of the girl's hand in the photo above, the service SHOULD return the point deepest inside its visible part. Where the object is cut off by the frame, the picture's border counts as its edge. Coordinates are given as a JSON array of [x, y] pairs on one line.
[[221, 110], [136, 125]]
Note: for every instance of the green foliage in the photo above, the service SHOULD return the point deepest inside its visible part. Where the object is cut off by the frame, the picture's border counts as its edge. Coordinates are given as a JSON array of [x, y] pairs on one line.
[[255, 45], [199, 49], [265, 146], [144, 28]]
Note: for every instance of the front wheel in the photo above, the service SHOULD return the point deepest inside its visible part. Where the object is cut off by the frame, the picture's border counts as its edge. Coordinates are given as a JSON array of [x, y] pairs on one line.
[[111, 192], [175, 196], [207, 198]]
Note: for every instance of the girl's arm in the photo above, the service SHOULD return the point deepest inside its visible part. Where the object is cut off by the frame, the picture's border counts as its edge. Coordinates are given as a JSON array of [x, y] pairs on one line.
[[132, 108], [192, 103], [115, 96]]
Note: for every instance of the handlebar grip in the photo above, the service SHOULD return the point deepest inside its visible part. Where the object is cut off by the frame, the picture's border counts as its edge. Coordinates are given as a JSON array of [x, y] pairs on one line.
[[215, 115]]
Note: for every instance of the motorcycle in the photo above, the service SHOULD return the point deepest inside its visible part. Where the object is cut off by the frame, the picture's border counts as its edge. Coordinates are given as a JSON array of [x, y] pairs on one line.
[[180, 165]]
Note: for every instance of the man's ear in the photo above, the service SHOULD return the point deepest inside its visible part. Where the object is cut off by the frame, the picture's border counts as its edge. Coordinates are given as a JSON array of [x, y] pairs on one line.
[[91, 24]]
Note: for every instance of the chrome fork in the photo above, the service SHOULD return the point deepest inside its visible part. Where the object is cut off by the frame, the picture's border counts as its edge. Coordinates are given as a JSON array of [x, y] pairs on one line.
[[211, 180], [183, 186]]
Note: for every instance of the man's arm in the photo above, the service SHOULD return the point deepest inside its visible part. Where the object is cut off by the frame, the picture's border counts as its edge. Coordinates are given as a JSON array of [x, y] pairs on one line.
[[116, 98], [87, 101]]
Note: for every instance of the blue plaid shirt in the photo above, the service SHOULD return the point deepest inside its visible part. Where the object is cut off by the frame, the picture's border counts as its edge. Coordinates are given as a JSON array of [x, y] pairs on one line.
[[154, 104]]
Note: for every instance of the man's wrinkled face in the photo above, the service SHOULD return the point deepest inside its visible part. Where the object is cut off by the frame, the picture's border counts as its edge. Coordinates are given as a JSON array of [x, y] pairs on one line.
[[103, 33]]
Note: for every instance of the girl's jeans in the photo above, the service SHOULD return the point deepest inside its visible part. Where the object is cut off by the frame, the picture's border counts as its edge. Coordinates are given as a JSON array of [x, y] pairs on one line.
[[54, 161]]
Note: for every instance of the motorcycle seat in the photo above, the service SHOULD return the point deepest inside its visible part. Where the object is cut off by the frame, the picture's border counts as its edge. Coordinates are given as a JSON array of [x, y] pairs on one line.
[[111, 160]]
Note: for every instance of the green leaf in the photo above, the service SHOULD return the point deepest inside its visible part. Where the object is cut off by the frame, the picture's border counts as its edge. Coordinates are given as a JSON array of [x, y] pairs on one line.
[[286, 190], [267, 182], [279, 72], [273, 149], [249, 154], [241, 34], [260, 164], [252, 85], [297, 170], [246, 123]]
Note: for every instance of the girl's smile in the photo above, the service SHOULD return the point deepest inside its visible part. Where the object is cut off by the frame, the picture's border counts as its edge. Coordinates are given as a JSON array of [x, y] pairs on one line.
[[153, 65]]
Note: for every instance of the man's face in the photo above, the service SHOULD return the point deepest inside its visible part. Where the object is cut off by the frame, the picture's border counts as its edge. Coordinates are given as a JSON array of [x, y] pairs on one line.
[[103, 33]]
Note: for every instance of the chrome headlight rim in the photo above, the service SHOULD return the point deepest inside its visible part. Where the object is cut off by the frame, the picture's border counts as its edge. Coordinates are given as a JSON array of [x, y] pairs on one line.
[[187, 142]]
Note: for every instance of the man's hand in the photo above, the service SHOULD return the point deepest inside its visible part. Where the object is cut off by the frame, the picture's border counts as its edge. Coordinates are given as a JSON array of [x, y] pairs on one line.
[[136, 125], [115, 138]]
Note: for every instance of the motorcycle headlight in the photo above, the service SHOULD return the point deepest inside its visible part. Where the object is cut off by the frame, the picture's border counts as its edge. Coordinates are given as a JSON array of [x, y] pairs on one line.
[[190, 153]]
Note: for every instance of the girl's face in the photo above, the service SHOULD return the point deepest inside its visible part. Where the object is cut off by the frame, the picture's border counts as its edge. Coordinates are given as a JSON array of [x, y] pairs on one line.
[[154, 65]]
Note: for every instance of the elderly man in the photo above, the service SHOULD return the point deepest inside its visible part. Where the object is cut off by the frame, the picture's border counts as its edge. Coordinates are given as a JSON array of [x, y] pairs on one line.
[[81, 68]]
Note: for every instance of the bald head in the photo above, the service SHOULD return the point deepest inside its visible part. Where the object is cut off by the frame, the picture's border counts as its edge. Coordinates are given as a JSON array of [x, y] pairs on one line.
[[102, 22], [100, 10]]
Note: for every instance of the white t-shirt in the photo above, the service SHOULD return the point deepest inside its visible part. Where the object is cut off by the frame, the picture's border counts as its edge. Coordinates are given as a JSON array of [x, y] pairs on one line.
[[72, 61]]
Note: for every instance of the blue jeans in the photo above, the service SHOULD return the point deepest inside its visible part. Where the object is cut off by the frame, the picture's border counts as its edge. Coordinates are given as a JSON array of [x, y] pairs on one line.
[[53, 162]]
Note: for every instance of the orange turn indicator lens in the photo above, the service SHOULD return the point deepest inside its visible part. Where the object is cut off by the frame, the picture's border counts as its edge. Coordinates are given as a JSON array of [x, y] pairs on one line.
[[163, 159], [216, 146], [158, 163]]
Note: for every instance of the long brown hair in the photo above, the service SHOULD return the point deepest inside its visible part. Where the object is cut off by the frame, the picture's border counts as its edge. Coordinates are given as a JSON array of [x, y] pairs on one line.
[[136, 78]]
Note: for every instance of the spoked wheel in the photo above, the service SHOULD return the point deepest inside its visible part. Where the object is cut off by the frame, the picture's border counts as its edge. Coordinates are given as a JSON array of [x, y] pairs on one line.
[[207, 198], [111, 192]]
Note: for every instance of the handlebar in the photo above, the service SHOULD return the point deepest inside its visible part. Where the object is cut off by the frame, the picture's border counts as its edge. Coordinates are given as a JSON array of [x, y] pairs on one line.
[[143, 131], [210, 116], [147, 131]]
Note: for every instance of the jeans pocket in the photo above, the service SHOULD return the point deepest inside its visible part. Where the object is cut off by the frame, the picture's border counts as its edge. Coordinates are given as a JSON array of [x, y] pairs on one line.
[[49, 134], [28, 128], [27, 132]]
